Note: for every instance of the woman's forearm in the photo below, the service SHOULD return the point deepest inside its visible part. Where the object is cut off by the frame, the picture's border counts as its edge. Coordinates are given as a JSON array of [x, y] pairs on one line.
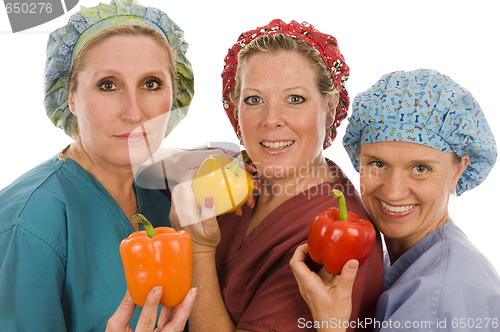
[[209, 312]]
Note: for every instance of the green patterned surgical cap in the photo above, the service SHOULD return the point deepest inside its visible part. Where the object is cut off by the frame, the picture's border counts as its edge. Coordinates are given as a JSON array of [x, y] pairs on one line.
[[65, 43]]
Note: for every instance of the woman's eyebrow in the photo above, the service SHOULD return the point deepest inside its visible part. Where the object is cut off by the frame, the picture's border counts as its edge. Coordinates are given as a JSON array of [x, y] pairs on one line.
[[369, 156], [424, 161], [296, 88], [412, 161], [250, 90]]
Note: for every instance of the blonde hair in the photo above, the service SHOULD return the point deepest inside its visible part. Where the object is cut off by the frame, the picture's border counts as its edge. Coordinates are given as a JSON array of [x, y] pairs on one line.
[[281, 42], [123, 30]]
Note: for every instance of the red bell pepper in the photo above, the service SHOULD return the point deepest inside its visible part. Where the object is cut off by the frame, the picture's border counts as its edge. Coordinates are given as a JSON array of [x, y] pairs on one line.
[[336, 236], [157, 257]]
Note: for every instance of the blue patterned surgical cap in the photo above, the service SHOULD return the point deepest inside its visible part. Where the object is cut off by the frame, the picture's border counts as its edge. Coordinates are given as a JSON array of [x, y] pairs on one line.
[[65, 43], [425, 107]]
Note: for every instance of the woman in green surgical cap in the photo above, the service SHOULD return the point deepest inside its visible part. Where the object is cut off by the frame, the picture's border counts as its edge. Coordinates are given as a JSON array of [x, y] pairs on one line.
[[117, 81]]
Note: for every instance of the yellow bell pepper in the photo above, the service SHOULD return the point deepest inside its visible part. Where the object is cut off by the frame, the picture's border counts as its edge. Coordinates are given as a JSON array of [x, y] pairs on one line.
[[224, 180]]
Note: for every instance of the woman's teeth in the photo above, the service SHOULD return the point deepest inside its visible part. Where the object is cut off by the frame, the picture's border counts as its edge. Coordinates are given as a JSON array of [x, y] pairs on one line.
[[397, 209], [277, 145]]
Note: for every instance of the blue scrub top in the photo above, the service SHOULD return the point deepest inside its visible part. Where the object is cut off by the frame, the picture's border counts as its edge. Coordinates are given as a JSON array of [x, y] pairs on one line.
[[442, 283], [60, 266]]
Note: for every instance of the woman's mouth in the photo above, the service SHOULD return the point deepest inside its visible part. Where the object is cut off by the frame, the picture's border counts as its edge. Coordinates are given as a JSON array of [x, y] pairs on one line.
[[277, 145], [399, 210], [132, 137]]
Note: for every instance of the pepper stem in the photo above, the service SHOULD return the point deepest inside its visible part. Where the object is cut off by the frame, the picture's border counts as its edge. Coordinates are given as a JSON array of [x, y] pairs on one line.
[[137, 217], [236, 164], [342, 205]]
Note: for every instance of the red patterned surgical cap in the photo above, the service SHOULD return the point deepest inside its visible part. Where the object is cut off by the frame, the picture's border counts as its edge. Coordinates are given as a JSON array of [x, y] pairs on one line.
[[325, 44]]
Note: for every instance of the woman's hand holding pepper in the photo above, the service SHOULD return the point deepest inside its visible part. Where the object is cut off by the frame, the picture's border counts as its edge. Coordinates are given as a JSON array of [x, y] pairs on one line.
[[170, 320], [209, 312], [185, 214], [326, 296]]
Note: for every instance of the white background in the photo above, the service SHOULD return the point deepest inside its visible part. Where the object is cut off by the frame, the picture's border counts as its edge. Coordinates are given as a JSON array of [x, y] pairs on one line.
[[457, 38]]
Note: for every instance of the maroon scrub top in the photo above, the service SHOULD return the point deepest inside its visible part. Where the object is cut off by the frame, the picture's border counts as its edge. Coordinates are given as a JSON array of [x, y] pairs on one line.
[[257, 284]]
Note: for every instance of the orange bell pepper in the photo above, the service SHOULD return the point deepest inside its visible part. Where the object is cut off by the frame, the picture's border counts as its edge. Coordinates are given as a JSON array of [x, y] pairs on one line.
[[157, 257], [224, 180]]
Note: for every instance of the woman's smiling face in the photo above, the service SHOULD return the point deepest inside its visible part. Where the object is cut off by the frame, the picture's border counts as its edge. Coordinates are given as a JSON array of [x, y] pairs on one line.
[[282, 114], [406, 188]]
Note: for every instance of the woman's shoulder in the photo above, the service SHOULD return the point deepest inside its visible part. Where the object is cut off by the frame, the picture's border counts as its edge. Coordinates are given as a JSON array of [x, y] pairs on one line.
[[36, 174], [36, 191], [341, 182], [443, 277], [33, 206], [465, 263], [469, 284], [447, 251], [344, 184]]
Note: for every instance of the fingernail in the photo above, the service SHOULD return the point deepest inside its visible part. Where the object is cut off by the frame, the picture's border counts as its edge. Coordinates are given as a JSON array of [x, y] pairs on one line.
[[192, 291], [239, 212], [253, 204], [157, 291], [209, 202], [352, 265]]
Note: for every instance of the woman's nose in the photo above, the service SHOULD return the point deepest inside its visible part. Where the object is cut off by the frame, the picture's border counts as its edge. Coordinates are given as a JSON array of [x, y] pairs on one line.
[[274, 116], [131, 107], [395, 186]]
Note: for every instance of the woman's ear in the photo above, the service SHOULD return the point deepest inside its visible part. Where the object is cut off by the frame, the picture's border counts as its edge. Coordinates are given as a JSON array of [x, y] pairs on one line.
[[462, 166], [71, 103], [330, 118], [238, 130], [331, 103]]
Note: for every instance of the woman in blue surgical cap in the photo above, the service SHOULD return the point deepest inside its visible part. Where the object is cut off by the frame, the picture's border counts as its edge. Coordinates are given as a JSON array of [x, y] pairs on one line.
[[416, 138]]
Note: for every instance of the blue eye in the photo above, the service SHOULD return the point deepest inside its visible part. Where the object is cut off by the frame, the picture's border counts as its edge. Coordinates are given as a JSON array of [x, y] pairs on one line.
[[295, 99]]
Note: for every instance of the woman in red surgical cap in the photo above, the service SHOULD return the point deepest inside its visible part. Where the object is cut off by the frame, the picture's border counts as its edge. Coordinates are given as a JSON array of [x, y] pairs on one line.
[[284, 93]]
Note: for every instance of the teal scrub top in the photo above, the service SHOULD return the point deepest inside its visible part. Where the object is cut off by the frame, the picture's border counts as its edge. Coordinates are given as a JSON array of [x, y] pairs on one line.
[[60, 266]]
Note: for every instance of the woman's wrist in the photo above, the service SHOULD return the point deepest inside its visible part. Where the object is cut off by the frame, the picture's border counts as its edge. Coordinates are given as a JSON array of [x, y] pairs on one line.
[[202, 251]]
